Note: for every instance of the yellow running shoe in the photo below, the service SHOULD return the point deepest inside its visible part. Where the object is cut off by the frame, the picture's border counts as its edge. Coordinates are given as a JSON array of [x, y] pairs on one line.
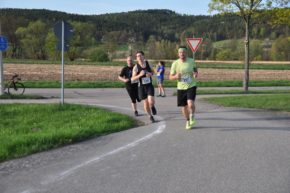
[[188, 126], [192, 122]]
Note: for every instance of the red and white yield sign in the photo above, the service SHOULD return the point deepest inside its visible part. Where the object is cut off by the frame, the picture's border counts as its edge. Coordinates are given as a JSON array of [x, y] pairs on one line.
[[194, 43]]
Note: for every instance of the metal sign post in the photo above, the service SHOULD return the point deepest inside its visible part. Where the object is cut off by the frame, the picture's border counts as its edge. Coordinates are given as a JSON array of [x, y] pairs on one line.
[[63, 31], [3, 47], [1, 75], [1, 71], [62, 63]]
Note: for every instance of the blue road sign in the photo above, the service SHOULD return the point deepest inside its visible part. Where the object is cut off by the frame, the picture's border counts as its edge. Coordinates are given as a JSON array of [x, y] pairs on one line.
[[3, 43], [68, 32]]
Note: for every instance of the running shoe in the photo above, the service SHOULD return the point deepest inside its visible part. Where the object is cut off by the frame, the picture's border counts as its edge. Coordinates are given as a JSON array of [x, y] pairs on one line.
[[153, 109], [136, 113], [187, 126], [152, 119], [192, 121]]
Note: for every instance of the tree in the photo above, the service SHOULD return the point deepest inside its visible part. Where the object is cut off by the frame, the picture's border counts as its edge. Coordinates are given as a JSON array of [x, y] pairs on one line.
[[245, 9], [32, 39]]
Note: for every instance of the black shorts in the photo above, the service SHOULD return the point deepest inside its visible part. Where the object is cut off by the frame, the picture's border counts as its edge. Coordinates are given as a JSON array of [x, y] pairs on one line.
[[145, 90], [133, 92], [184, 95]]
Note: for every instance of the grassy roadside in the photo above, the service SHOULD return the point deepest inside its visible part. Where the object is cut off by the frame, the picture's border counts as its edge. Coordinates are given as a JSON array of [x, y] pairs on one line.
[[277, 102], [30, 128], [167, 83], [199, 92]]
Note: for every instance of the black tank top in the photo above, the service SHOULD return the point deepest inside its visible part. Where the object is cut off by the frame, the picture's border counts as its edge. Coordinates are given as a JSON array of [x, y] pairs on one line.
[[147, 69]]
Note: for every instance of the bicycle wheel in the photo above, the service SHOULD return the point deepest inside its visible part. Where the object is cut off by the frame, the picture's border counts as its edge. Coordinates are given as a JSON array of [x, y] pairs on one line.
[[16, 89]]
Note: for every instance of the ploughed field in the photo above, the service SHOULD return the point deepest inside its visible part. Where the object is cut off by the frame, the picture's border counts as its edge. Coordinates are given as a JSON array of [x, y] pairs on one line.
[[94, 73]]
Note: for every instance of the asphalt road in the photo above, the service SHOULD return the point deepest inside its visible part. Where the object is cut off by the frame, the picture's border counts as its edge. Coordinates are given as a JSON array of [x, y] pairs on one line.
[[230, 150]]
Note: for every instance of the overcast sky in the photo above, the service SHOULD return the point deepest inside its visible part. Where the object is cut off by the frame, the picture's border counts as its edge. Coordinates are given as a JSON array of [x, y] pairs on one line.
[[90, 7]]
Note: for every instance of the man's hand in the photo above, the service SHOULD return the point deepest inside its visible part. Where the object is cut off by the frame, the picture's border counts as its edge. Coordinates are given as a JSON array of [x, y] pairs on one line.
[[195, 74], [142, 73], [178, 76]]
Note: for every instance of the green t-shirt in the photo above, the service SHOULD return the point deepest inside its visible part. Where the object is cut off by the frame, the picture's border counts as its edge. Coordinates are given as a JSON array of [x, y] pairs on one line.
[[186, 69]]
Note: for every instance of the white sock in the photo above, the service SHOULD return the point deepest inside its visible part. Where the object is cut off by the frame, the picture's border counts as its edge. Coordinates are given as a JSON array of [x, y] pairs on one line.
[[191, 116]]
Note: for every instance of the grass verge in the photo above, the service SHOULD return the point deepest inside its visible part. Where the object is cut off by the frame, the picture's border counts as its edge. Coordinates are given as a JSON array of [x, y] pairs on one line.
[[30, 128], [214, 91], [278, 102], [167, 83]]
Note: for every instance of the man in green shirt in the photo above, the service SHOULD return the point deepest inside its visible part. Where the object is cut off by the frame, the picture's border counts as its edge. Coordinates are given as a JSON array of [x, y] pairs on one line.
[[184, 70]]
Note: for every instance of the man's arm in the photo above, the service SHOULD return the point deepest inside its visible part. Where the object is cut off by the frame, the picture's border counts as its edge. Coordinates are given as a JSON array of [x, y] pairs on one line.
[[136, 76], [122, 77], [173, 74]]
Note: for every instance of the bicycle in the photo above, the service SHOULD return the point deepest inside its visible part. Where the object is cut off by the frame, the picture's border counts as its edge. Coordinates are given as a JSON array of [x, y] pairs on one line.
[[15, 87]]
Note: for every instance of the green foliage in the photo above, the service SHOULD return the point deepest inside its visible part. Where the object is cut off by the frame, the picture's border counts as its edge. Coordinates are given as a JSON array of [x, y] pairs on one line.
[[98, 55], [161, 49], [33, 38], [167, 83], [168, 28], [281, 49], [224, 54]]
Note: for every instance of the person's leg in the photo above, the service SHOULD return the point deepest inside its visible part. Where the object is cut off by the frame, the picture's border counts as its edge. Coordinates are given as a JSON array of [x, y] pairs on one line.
[[182, 102], [191, 106], [162, 90], [151, 99], [191, 94], [159, 88], [133, 96], [147, 109], [134, 107], [185, 112]]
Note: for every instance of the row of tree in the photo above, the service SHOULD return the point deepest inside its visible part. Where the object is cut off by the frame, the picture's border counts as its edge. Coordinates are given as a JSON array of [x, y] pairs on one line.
[[159, 32]]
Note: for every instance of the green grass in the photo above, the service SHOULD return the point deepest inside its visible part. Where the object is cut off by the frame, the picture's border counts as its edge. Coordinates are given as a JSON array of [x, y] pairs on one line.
[[241, 66], [215, 91], [30, 128], [74, 84], [278, 102], [24, 96], [167, 83]]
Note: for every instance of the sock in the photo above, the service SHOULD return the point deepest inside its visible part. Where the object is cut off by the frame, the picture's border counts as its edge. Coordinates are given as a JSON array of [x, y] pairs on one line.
[[191, 116]]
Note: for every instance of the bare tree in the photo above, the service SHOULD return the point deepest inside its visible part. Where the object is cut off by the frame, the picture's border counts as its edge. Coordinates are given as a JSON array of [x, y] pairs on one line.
[[246, 9]]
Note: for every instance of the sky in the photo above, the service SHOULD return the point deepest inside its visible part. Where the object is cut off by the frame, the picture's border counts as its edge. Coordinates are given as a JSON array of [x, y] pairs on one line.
[[96, 7]]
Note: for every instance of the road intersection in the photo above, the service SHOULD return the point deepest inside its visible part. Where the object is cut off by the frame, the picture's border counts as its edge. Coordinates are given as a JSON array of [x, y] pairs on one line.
[[229, 150]]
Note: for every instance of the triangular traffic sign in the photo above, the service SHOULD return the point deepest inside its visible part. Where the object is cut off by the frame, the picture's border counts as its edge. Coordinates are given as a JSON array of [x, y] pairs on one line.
[[194, 43]]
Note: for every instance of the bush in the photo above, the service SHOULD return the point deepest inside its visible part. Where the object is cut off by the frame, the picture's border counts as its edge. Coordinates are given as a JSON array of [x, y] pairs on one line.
[[97, 55], [224, 54]]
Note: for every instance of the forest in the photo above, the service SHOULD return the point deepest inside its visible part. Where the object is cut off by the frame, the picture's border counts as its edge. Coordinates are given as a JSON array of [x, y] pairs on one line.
[[30, 33]]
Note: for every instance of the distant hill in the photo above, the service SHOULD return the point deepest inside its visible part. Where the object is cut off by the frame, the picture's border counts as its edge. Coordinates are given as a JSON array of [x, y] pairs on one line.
[[138, 26], [163, 24]]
